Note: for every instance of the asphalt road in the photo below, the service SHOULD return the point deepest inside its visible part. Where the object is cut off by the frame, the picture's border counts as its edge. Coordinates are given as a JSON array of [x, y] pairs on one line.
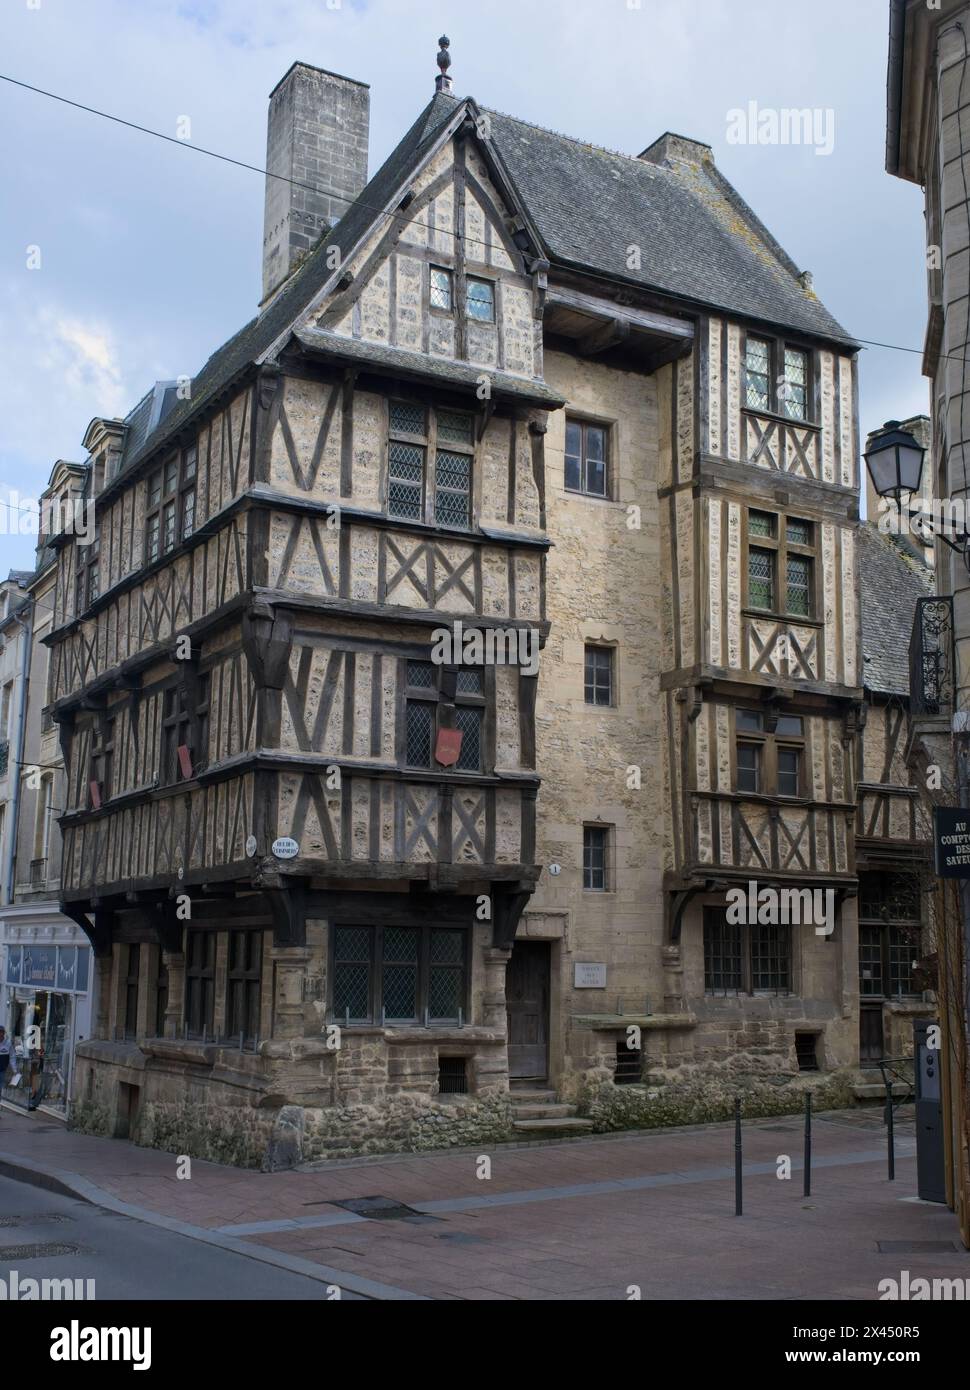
[[129, 1259]]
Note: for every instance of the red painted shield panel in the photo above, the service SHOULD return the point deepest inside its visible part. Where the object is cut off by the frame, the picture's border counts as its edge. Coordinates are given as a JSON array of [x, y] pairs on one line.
[[185, 762], [447, 747], [95, 789]]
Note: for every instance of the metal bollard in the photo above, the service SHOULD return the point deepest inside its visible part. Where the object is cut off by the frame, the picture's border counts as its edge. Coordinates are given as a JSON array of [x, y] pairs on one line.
[[737, 1156], [808, 1144]]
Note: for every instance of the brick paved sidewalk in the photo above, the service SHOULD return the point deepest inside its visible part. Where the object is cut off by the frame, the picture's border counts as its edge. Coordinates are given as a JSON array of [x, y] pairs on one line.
[[584, 1219]]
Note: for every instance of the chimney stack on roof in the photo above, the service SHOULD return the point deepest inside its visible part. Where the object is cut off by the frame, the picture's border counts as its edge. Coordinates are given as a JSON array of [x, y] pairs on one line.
[[316, 147]]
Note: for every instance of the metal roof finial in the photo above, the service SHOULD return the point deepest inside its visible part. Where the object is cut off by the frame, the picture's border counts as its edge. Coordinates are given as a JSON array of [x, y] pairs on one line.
[[443, 81]]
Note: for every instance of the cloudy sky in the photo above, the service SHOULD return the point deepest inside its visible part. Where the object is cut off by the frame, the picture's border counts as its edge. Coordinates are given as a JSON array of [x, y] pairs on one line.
[[150, 252]]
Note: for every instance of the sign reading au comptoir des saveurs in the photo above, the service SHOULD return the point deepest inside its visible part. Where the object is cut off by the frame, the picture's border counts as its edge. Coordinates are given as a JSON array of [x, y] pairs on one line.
[[951, 841]]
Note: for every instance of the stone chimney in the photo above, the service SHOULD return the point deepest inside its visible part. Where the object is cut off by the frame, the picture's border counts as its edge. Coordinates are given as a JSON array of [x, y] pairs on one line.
[[316, 134], [672, 147]]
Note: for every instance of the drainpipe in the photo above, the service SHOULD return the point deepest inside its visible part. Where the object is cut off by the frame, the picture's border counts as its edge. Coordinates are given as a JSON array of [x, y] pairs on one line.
[[8, 873]]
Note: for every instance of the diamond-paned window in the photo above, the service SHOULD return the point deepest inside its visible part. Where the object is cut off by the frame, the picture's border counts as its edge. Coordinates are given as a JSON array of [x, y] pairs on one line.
[[761, 585], [406, 418], [419, 733], [761, 524], [446, 982], [757, 370], [454, 427], [441, 291], [798, 532], [353, 947], [794, 388], [399, 973], [799, 585], [468, 718], [469, 682], [452, 489], [421, 674], [406, 482]]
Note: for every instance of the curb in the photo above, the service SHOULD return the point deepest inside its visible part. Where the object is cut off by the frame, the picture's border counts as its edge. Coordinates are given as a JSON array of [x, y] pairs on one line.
[[67, 1184]]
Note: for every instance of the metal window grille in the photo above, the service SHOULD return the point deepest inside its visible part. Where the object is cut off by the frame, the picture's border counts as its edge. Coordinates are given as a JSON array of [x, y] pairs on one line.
[[596, 858], [770, 958], [761, 579], [756, 374], [628, 1068], [453, 1076], [598, 675], [722, 954]]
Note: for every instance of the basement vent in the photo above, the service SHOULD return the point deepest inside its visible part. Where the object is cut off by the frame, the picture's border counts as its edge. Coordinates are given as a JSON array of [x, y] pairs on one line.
[[805, 1051], [453, 1076], [629, 1065]]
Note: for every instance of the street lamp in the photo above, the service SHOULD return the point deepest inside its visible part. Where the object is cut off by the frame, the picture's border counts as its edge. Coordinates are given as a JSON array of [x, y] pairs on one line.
[[895, 461]]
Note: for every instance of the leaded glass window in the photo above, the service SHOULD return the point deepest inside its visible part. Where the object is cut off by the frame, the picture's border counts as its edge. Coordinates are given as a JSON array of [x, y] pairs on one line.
[[441, 289], [429, 707], [757, 374], [351, 973], [452, 489], [399, 974], [405, 493], [799, 585], [794, 388], [761, 579], [438, 492]]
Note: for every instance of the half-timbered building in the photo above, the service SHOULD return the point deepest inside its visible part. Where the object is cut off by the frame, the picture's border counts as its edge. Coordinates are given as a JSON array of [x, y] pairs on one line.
[[577, 399]]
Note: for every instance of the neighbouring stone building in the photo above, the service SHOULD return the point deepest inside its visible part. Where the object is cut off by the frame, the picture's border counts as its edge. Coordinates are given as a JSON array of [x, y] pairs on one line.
[[344, 894], [929, 67]]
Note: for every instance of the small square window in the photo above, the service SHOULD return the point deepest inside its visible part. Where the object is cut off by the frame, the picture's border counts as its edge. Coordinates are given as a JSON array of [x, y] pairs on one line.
[[441, 292], [481, 300]]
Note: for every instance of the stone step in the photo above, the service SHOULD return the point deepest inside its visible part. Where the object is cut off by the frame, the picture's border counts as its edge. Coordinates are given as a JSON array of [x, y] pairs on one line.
[[548, 1111], [549, 1128], [875, 1090], [531, 1095]]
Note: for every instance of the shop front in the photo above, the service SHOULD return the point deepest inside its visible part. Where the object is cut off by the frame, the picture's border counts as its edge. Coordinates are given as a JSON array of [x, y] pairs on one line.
[[46, 1011]]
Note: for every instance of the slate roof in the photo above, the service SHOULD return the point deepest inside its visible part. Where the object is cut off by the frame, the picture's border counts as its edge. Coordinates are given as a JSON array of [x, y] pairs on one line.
[[699, 240], [892, 581]]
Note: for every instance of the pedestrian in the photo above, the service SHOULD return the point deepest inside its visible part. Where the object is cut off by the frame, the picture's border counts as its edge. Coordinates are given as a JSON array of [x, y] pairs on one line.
[[6, 1052]]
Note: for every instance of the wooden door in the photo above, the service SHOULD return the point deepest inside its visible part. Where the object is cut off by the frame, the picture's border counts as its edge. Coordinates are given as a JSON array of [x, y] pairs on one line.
[[527, 1004], [871, 1046]]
